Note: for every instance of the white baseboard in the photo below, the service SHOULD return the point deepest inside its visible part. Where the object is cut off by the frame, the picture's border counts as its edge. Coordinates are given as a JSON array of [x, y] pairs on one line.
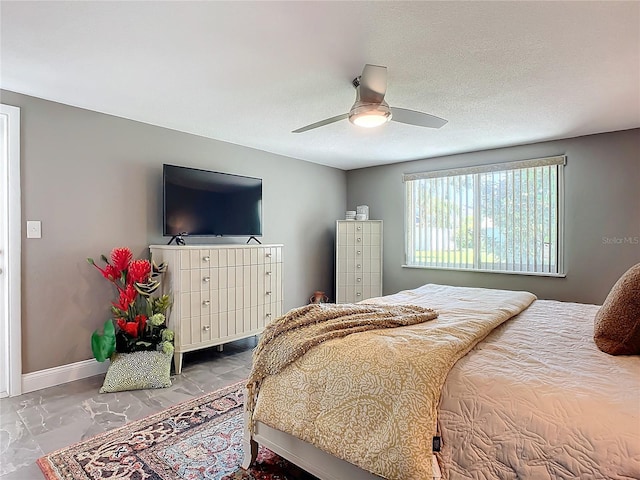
[[62, 374]]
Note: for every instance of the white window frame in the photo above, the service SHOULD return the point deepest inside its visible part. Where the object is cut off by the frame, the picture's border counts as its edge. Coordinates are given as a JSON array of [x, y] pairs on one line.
[[560, 161]]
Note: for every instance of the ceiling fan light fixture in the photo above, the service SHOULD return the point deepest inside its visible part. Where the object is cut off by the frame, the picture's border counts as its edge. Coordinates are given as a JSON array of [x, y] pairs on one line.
[[370, 115], [370, 110]]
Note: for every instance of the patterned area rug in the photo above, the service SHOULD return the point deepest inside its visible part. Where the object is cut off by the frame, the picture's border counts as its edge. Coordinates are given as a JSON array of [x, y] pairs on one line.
[[196, 439]]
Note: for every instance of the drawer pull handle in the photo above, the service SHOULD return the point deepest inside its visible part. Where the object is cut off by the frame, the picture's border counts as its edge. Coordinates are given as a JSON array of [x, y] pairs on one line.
[[358, 228], [359, 239], [206, 328], [358, 252], [206, 259], [359, 266], [206, 303], [268, 315], [358, 294], [359, 279], [267, 293], [268, 255], [206, 279], [268, 273]]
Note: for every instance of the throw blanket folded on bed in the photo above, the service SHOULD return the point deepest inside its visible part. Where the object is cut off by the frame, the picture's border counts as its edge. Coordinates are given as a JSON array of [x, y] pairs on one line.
[[371, 398], [287, 338]]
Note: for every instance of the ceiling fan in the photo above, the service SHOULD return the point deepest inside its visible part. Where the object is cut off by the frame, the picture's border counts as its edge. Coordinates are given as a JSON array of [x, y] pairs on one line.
[[370, 109]]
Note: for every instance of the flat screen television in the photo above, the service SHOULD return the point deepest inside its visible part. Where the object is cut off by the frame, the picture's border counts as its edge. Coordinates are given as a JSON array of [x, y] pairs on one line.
[[206, 203]]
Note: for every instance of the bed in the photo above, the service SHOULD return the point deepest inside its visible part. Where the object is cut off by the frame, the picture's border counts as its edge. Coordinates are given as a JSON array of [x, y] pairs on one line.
[[528, 396]]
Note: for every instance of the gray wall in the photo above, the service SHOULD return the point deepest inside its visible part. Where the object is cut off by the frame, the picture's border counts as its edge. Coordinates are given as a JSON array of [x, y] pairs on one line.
[[602, 180], [94, 181]]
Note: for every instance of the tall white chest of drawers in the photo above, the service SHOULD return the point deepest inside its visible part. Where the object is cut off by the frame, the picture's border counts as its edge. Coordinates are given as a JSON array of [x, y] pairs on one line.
[[358, 260], [220, 293]]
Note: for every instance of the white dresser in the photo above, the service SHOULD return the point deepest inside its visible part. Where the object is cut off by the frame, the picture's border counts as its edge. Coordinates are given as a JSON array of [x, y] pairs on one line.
[[358, 260], [220, 293]]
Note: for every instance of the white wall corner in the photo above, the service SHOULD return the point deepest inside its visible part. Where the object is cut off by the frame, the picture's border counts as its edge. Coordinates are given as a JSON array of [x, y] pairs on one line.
[[51, 377]]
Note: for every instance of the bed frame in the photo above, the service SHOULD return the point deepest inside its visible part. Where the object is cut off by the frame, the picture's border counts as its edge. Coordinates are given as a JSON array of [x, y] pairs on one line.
[[308, 457]]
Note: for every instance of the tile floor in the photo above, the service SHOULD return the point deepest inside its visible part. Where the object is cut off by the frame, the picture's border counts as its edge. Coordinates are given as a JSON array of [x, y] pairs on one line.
[[36, 423]]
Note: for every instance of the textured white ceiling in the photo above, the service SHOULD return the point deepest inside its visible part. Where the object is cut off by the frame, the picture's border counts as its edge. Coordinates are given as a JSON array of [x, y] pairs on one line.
[[502, 73]]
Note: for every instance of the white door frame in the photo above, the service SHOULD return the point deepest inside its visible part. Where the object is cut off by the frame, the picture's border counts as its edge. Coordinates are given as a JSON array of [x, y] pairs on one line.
[[12, 351]]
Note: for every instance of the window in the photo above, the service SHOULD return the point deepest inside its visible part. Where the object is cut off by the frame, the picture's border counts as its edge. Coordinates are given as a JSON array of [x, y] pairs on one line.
[[503, 218]]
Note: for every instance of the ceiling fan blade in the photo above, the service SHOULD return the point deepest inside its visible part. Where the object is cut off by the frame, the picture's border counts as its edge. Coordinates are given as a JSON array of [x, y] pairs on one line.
[[373, 83], [321, 123], [419, 119]]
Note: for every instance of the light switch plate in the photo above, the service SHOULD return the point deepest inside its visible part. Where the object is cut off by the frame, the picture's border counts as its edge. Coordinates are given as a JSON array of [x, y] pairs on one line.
[[34, 229]]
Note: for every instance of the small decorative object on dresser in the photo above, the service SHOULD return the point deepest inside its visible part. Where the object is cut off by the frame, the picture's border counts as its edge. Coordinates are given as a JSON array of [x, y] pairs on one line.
[[350, 215], [362, 210], [358, 260], [222, 292]]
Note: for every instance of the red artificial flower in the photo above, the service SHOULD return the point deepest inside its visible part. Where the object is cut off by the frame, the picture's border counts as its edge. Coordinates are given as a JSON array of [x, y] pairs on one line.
[[138, 271], [130, 328], [141, 321], [121, 258], [110, 273], [127, 297]]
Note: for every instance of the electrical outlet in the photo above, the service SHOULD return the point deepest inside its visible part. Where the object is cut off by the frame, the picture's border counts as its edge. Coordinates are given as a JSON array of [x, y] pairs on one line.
[[34, 229]]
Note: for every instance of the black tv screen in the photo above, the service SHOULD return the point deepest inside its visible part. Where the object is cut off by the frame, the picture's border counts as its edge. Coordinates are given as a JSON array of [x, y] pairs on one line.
[[205, 203]]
